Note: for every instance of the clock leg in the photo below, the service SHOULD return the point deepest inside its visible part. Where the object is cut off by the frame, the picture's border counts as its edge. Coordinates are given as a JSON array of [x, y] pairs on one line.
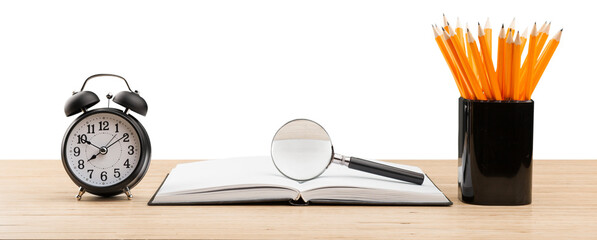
[[128, 193], [80, 194]]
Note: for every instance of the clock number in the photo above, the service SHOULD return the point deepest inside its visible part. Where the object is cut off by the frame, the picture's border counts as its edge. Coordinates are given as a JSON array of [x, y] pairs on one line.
[[91, 128], [116, 127], [104, 176], [82, 139], [81, 164], [125, 137], [131, 150], [127, 164], [103, 125], [77, 151], [90, 171], [116, 172]]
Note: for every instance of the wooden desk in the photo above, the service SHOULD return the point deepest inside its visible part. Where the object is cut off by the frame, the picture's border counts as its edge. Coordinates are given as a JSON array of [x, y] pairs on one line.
[[37, 201]]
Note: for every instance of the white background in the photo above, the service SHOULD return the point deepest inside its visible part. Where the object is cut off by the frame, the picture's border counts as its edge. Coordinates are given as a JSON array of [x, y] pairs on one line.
[[220, 77]]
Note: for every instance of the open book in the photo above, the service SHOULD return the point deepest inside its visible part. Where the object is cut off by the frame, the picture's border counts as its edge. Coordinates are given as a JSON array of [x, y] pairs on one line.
[[256, 180]]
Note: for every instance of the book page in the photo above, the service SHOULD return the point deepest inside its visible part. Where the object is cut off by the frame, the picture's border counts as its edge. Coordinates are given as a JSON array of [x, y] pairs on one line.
[[230, 174]]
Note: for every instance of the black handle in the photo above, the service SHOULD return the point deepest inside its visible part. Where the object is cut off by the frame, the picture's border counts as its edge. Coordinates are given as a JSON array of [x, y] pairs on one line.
[[105, 75], [386, 170]]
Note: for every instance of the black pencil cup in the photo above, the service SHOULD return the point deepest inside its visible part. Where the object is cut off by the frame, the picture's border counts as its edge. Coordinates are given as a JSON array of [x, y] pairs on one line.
[[495, 152]]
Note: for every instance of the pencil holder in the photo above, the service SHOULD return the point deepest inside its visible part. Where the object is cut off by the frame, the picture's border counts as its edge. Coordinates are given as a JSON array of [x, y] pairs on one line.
[[495, 152]]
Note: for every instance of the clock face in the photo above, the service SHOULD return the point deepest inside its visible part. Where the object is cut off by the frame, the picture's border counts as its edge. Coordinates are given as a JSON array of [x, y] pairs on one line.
[[102, 149]]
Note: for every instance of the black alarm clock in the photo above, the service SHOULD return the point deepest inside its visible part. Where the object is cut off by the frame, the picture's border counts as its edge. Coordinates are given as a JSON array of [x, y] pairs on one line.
[[106, 151]]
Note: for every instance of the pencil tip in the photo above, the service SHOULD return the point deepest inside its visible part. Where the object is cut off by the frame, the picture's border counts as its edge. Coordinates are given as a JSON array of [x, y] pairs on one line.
[[502, 25]]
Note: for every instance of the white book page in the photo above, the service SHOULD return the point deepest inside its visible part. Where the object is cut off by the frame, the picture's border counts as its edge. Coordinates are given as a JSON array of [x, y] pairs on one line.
[[237, 173]]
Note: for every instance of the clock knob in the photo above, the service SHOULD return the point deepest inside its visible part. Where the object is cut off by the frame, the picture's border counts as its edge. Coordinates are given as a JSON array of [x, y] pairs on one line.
[[132, 101], [80, 101]]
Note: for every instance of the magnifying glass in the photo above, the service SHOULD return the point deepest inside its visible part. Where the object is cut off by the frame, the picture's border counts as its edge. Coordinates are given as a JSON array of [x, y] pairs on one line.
[[302, 150]]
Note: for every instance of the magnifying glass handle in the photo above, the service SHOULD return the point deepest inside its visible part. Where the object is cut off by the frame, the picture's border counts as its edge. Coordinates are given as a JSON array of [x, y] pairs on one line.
[[386, 170]]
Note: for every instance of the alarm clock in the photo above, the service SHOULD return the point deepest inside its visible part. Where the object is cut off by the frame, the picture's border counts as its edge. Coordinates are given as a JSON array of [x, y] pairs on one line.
[[105, 151]]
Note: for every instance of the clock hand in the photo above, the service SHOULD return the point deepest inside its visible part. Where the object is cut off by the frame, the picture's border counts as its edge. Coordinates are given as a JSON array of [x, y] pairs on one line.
[[111, 140], [88, 142], [115, 141], [93, 156]]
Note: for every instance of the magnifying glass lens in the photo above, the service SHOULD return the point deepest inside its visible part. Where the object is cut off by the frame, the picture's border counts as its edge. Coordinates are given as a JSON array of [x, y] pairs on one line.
[[301, 149]]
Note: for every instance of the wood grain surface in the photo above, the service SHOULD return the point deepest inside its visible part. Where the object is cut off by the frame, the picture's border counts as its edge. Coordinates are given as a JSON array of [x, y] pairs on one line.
[[37, 201]]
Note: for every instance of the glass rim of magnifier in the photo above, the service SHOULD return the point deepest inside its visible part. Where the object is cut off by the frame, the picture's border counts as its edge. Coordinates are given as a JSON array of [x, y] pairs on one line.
[[272, 150]]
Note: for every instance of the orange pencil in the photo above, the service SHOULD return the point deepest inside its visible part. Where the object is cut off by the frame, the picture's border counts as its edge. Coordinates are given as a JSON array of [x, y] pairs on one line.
[[516, 52], [483, 76], [489, 38], [542, 38], [459, 31], [544, 60], [524, 38], [527, 77], [508, 68], [500, 60], [464, 42], [495, 86]]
